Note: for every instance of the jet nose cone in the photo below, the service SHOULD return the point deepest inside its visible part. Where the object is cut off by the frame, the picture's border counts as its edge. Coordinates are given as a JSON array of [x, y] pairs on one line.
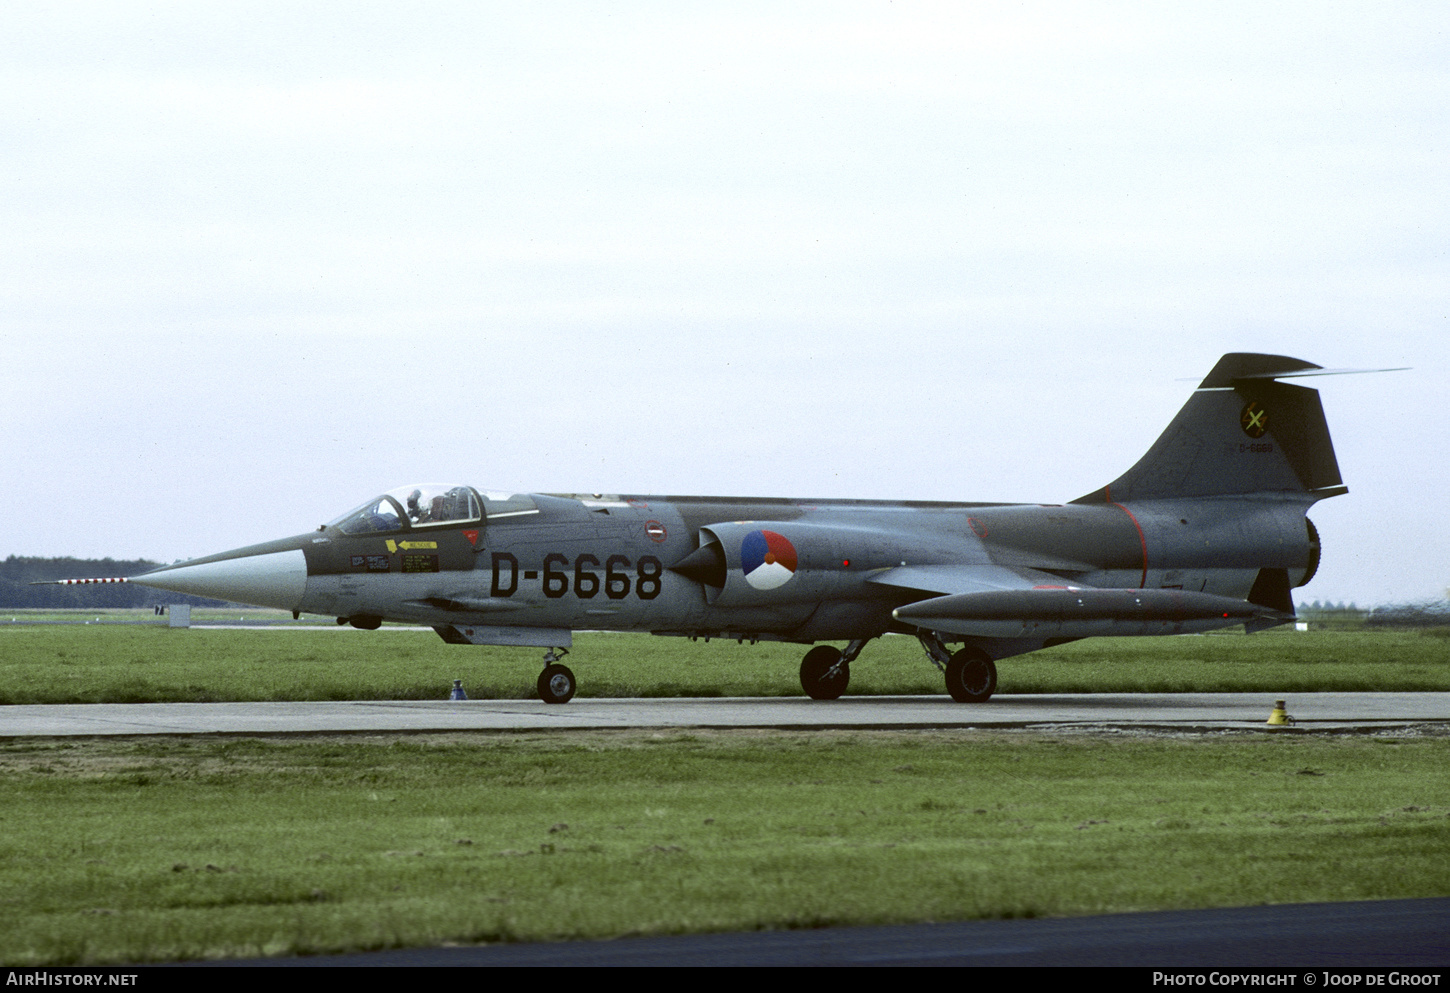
[[272, 579]]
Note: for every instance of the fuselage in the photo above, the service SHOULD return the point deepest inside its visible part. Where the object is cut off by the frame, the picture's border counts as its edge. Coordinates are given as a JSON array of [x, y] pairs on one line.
[[529, 568]]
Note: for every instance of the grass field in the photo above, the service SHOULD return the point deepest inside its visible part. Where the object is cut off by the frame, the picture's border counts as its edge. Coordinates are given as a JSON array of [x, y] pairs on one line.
[[162, 849], [112, 663], [171, 848]]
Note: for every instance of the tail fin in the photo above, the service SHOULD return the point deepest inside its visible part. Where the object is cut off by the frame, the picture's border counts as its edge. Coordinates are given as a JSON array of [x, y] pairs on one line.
[[1240, 433]]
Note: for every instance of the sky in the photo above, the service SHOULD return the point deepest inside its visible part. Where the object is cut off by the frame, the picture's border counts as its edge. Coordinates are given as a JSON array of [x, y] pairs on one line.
[[259, 262]]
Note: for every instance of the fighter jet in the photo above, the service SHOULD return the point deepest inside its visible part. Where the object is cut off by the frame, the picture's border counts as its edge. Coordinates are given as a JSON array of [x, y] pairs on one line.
[[1207, 530]]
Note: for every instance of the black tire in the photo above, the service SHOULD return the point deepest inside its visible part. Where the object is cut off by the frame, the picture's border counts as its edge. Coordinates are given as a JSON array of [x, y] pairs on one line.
[[815, 665], [556, 684], [971, 676]]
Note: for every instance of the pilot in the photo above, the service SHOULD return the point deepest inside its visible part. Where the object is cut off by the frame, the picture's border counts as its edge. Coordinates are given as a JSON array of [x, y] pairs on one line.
[[416, 513]]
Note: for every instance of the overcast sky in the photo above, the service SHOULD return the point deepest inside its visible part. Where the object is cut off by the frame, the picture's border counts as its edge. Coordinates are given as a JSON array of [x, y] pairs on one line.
[[261, 262]]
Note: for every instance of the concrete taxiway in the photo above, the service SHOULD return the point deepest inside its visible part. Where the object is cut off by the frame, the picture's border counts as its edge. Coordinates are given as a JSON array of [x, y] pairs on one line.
[[1377, 934], [1181, 711]]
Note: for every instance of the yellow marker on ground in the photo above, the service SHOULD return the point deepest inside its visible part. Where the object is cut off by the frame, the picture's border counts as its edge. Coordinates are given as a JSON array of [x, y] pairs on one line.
[[1278, 718]]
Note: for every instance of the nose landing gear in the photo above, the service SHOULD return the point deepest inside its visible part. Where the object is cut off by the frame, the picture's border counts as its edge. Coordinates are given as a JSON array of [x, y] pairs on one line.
[[826, 671], [556, 683]]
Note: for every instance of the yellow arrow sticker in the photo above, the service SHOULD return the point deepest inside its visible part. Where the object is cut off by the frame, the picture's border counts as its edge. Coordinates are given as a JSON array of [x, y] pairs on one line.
[[393, 546]]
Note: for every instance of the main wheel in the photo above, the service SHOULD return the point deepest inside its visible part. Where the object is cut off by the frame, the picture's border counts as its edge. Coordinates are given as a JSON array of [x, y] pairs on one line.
[[556, 684], [814, 669], [971, 676]]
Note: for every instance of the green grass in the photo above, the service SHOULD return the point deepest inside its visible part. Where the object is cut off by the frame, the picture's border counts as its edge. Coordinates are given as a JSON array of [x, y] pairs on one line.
[[148, 849], [1272, 661], [113, 663], [161, 849]]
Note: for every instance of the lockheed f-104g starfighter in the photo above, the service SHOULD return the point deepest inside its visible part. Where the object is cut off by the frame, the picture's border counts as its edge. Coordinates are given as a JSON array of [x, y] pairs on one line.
[[1207, 530]]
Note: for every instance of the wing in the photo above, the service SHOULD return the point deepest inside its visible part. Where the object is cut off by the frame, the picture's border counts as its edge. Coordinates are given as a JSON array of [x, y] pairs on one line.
[[954, 578]]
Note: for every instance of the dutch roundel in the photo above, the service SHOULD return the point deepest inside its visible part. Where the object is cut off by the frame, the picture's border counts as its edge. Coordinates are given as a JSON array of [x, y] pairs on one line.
[[767, 559]]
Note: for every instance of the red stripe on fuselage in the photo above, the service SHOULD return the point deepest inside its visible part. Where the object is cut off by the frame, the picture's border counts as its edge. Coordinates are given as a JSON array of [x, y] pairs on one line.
[[1142, 541]]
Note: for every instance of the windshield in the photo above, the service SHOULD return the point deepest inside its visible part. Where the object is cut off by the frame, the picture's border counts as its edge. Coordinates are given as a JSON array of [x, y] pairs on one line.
[[380, 514], [412, 506]]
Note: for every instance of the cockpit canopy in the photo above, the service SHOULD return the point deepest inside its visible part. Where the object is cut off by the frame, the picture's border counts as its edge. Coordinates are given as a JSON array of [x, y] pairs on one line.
[[429, 504], [413, 506]]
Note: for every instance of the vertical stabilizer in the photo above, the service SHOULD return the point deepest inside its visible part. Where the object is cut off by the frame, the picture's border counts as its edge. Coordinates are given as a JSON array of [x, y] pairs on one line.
[[1240, 433]]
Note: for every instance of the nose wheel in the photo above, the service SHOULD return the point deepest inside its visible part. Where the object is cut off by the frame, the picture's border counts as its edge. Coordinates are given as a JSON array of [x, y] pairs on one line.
[[556, 683], [826, 671], [823, 673]]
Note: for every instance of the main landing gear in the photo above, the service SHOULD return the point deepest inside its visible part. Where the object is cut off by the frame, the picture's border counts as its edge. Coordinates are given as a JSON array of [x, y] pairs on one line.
[[556, 683], [970, 673], [825, 671]]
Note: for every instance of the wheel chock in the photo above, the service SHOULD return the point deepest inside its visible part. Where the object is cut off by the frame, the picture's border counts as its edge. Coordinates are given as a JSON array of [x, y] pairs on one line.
[[1278, 718]]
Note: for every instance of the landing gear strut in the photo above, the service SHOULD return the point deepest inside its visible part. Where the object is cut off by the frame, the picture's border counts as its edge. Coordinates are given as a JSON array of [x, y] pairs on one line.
[[826, 671], [556, 683], [971, 674], [936, 652]]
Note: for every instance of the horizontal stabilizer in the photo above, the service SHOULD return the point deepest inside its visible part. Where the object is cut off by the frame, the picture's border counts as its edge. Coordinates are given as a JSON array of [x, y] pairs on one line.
[[1238, 366], [1322, 372], [1081, 613], [1251, 365]]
